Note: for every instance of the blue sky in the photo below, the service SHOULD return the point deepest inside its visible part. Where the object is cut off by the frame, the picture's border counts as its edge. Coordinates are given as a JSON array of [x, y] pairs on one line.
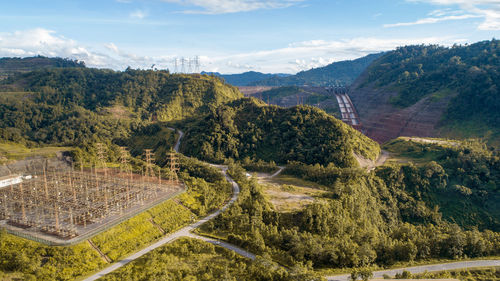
[[233, 36]]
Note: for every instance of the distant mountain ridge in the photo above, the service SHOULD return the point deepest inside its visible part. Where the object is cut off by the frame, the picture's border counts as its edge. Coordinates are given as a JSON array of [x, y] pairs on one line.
[[342, 72], [245, 78]]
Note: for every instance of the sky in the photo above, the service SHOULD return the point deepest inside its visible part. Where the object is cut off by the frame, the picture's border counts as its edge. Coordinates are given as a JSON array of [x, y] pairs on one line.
[[234, 36]]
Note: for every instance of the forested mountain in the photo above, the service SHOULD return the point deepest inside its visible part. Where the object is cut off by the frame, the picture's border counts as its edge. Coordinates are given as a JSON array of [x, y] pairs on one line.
[[249, 128], [15, 65], [342, 72], [245, 78], [399, 213], [74, 105], [453, 90]]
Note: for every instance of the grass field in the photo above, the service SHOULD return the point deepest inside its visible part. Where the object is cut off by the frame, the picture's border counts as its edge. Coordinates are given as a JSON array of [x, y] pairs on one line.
[[16, 151]]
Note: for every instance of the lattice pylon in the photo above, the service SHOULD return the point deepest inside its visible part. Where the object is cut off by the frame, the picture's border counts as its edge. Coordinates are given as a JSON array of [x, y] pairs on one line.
[[173, 166], [124, 160], [101, 155], [149, 172]]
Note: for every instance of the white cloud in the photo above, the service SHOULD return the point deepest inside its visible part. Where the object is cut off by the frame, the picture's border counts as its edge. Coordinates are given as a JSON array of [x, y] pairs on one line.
[[489, 10], [290, 59], [138, 14], [45, 42], [440, 17], [233, 6], [314, 53]]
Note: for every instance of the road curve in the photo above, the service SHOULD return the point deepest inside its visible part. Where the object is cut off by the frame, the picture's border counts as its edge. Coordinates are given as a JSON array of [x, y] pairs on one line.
[[178, 142], [424, 268], [183, 232], [223, 244], [280, 169], [186, 232]]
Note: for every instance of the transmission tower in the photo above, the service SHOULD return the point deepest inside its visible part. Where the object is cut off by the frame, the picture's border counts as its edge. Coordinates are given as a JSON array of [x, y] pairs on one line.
[[174, 167], [124, 156], [149, 163], [197, 64], [189, 65], [176, 65], [101, 155], [183, 65]]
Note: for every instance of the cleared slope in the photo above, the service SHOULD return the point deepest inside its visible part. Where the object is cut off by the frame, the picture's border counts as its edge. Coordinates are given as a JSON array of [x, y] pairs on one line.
[[431, 91]]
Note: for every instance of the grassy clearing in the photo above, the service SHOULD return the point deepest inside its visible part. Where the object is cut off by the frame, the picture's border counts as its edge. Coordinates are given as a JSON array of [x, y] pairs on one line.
[[16, 151], [291, 180], [288, 198], [119, 112], [9, 97], [37, 261], [472, 129], [403, 150], [138, 231]]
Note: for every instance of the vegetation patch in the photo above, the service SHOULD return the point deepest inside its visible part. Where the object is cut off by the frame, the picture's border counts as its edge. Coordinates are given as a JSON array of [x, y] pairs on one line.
[[288, 198], [305, 134], [191, 259]]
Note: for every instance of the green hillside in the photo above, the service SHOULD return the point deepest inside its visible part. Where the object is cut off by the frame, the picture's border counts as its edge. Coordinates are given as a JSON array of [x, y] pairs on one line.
[[469, 74], [75, 105], [362, 220], [342, 72], [9, 66], [249, 128]]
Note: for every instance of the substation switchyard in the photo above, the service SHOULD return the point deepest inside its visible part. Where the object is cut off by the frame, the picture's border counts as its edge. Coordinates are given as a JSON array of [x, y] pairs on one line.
[[58, 206]]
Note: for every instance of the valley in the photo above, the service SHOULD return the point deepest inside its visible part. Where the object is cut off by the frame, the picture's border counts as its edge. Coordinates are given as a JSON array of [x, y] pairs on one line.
[[296, 182]]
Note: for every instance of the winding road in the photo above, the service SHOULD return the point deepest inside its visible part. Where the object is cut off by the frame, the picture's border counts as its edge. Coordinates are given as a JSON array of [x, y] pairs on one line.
[[187, 232], [424, 268], [183, 232]]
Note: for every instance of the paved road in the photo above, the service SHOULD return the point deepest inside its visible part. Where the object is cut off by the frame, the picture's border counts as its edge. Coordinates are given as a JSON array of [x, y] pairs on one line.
[[277, 172], [423, 268], [186, 231], [178, 143], [223, 244]]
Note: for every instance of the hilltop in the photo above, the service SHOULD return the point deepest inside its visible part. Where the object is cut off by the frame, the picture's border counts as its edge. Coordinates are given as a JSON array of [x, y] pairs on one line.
[[432, 91], [249, 128], [67, 106]]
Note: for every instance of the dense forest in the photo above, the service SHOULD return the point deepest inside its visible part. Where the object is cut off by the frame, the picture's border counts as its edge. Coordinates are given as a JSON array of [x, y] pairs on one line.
[[469, 73], [342, 72], [365, 219], [249, 128], [80, 105]]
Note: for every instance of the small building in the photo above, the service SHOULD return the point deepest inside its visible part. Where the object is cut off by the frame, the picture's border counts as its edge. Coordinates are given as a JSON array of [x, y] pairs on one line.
[[12, 179]]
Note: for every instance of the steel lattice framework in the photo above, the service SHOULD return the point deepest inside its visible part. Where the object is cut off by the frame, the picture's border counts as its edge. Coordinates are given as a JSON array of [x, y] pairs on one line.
[[66, 204]]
